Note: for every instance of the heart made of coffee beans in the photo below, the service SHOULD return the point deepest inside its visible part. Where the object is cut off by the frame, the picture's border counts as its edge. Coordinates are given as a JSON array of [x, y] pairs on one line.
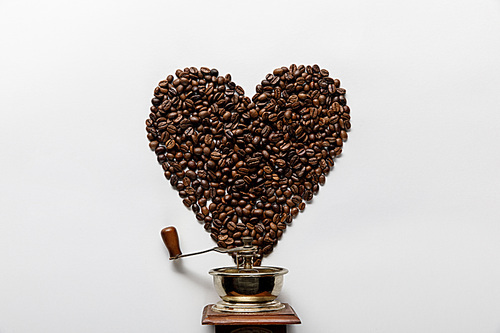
[[246, 167]]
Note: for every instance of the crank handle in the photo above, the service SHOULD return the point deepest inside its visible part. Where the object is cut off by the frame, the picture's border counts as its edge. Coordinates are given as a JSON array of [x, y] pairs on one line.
[[171, 240]]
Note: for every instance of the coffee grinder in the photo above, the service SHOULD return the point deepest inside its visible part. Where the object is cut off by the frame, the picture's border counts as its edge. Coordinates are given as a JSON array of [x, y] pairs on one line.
[[249, 293]]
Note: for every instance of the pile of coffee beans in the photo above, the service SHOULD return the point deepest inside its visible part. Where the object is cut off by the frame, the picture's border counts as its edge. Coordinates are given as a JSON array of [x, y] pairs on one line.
[[246, 167]]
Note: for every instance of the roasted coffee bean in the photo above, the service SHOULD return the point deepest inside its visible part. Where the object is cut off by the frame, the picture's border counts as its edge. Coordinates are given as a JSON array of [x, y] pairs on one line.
[[267, 249], [257, 212], [231, 226], [247, 166], [308, 195]]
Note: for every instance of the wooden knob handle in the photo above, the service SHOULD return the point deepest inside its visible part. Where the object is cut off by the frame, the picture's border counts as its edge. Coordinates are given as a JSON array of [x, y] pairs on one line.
[[171, 240]]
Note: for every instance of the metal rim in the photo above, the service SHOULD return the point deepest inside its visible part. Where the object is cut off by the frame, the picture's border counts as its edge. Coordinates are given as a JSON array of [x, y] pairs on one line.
[[223, 306], [223, 271]]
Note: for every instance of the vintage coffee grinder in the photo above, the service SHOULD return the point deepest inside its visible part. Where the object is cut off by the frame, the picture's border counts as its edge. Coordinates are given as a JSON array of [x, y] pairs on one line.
[[248, 292]]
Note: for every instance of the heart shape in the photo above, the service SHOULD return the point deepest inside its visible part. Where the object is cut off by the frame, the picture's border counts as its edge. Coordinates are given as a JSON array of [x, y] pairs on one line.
[[246, 167]]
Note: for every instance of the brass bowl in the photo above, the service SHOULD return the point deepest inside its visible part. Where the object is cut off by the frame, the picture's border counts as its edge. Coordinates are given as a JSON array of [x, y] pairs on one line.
[[247, 289]]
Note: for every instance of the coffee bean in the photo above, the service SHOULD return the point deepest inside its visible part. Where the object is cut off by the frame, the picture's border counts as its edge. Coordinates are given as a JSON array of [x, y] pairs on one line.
[[257, 212], [308, 195], [231, 226], [195, 208], [278, 72], [267, 249]]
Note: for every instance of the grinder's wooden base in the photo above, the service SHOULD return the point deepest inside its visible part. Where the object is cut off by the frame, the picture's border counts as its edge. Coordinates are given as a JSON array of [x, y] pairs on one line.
[[261, 322]]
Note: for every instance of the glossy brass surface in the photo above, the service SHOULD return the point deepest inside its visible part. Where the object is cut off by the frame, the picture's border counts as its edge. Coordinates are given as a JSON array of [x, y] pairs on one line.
[[248, 290]]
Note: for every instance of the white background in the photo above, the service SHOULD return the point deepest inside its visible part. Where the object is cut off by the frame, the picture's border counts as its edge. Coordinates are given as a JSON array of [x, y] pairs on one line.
[[404, 237]]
